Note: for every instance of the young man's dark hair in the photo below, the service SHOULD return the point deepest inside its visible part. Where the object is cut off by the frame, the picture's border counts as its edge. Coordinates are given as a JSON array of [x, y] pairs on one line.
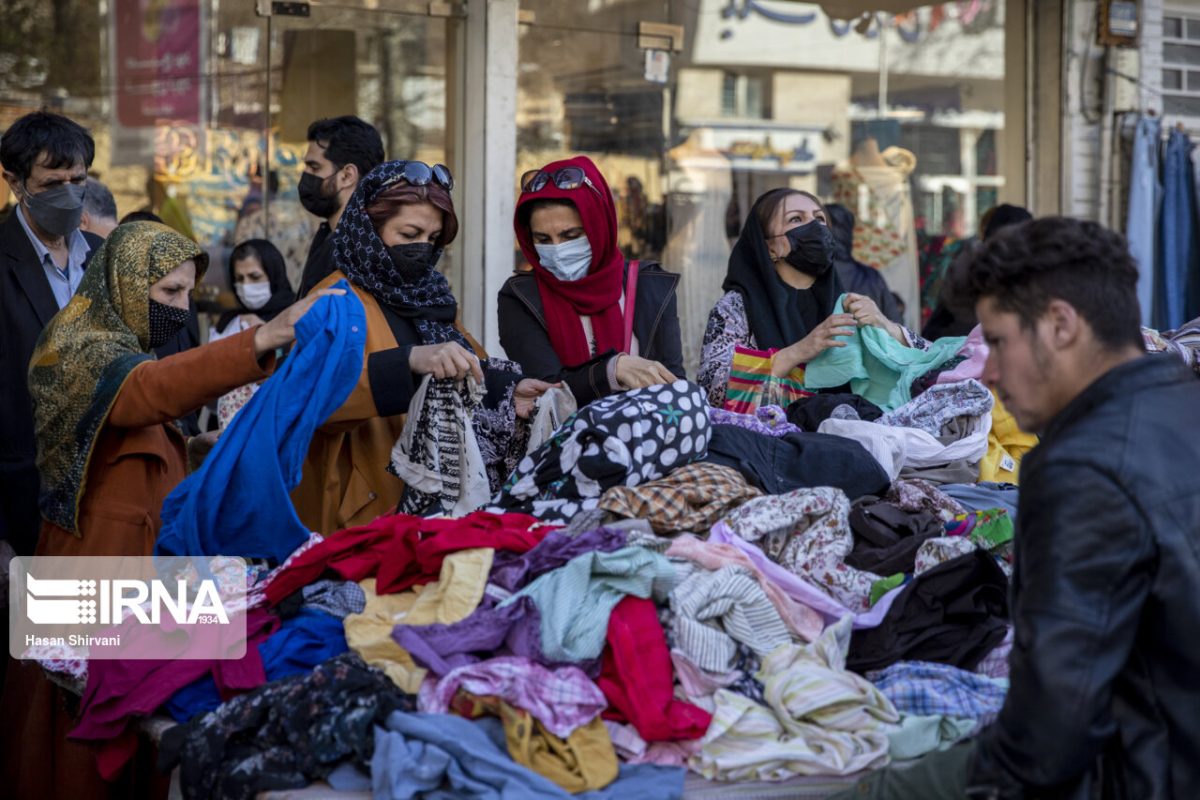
[[348, 140], [64, 141], [1023, 267]]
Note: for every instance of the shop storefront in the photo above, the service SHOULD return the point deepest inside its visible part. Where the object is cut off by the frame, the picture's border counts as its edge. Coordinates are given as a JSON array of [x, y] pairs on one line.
[[691, 108]]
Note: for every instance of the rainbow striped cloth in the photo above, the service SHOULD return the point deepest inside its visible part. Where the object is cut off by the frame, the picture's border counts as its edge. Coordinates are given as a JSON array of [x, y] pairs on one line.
[[751, 383]]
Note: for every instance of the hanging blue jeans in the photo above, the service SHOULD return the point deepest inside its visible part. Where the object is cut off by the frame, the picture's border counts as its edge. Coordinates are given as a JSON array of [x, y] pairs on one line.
[[1178, 228], [1145, 197]]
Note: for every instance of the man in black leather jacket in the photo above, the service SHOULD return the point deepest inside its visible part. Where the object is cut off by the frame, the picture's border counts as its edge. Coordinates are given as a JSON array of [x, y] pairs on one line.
[[1105, 671]]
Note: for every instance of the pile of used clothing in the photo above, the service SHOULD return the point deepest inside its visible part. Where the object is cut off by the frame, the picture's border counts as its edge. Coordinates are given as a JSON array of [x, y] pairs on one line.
[[657, 588]]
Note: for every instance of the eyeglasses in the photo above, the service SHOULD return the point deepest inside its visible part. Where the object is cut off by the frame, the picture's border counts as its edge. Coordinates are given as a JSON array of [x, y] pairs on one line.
[[418, 173], [567, 178]]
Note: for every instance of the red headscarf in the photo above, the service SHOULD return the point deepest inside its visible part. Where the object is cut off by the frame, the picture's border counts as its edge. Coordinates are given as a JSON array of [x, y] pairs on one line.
[[596, 294]]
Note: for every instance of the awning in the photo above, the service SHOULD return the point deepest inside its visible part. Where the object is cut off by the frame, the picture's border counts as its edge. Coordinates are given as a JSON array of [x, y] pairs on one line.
[[851, 9]]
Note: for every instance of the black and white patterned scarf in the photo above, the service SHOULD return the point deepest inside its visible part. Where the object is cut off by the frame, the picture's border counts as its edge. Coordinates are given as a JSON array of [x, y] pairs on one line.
[[363, 257]]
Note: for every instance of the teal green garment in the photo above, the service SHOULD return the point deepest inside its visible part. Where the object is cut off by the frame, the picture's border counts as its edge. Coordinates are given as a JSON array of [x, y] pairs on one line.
[[876, 366], [917, 736], [576, 600]]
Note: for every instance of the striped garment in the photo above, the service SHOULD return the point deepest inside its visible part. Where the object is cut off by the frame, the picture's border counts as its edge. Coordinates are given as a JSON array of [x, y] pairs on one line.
[[437, 455], [751, 383], [819, 718], [716, 610]]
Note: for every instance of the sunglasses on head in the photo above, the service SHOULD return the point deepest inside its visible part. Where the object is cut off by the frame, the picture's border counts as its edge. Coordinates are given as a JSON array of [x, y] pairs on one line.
[[567, 178], [418, 173]]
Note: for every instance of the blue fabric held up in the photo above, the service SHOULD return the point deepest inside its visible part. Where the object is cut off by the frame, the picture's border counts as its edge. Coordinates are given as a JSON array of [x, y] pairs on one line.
[[237, 503], [302, 642], [443, 757], [877, 366], [1177, 226], [1145, 200]]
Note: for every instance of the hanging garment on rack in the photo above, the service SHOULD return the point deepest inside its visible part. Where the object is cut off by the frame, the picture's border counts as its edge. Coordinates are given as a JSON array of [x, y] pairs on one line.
[[1145, 198], [1177, 226]]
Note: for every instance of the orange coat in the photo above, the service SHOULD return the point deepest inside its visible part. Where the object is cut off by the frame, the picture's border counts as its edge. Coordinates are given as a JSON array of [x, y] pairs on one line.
[[139, 457], [346, 482]]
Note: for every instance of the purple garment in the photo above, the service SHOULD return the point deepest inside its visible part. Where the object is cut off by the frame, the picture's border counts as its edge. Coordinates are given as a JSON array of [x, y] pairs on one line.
[[562, 699], [767, 420], [512, 571], [514, 630], [801, 590]]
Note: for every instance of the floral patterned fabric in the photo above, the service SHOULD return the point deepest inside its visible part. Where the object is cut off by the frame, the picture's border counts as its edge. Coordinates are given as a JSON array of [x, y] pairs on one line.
[[808, 532], [285, 734], [932, 410]]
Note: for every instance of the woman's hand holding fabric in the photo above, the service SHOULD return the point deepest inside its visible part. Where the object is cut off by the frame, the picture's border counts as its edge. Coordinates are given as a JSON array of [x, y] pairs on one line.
[[634, 372], [866, 312], [526, 394], [281, 331], [819, 339], [446, 360]]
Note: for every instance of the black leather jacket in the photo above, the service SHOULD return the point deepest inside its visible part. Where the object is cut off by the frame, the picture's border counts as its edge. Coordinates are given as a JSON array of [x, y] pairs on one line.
[[1105, 684], [526, 340]]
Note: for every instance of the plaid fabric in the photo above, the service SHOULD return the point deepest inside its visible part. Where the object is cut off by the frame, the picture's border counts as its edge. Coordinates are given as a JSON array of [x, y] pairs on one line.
[[562, 700], [692, 498], [751, 383], [922, 688]]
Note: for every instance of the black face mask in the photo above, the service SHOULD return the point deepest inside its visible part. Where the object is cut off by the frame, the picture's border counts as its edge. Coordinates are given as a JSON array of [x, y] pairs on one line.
[[414, 261], [812, 248], [165, 322], [313, 196]]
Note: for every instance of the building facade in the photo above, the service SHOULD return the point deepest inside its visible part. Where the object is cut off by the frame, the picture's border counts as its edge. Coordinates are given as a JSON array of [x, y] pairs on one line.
[[692, 108]]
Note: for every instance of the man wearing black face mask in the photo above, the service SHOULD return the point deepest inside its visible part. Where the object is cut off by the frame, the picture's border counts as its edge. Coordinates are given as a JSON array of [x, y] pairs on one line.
[[42, 257], [340, 152]]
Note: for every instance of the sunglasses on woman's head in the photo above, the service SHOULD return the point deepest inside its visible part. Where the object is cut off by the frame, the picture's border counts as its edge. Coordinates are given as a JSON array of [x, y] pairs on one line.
[[567, 178], [418, 173]]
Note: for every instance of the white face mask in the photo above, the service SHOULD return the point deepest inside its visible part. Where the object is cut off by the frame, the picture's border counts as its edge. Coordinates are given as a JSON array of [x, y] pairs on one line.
[[568, 261], [254, 295]]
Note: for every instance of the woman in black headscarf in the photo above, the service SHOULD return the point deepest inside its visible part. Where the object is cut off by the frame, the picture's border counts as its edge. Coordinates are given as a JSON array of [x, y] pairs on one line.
[[780, 293], [258, 276]]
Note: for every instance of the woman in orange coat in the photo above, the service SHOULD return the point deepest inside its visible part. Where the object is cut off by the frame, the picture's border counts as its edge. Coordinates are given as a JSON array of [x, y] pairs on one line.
[[109, 451]]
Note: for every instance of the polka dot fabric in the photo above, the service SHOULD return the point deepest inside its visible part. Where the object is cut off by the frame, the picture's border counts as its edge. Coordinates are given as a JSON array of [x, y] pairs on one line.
[[621, 440]]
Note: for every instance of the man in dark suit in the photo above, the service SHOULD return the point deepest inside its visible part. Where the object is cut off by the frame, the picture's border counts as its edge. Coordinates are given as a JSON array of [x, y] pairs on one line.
[[42, 257]]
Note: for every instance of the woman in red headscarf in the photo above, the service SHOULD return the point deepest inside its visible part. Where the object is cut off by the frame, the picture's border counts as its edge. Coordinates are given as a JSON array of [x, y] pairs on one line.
[[566, 320]]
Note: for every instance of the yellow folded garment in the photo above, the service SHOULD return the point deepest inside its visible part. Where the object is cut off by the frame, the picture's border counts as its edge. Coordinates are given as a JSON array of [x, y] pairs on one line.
[[457, 592], [1007, 444], [584, 761]]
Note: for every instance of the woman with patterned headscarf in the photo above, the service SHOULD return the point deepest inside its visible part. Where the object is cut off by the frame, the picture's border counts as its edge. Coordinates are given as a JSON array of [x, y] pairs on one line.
[[109, 451], [388, 244]]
